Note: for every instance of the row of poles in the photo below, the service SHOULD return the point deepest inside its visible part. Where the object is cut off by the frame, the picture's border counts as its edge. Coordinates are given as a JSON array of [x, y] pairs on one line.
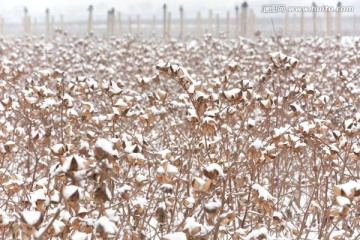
[[31, 27], [328, 24], [245, 23], [240, 20]]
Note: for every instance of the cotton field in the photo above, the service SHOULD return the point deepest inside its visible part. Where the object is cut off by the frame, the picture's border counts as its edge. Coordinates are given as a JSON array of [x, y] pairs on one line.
[[214, 138]]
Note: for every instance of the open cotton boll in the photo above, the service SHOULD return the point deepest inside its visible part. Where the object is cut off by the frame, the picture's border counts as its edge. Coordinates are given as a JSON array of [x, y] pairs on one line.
[[4, 219], [349, 189], [189, 202], [31, 218], [58, 148], [167, 168], [257, 144], [213, 171], [58, 226], [342, 201], [192, 227], [73, 191], [74, 163]]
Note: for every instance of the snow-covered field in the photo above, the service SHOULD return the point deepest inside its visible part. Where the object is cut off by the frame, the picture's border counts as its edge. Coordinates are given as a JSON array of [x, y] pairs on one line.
[[196, 139]]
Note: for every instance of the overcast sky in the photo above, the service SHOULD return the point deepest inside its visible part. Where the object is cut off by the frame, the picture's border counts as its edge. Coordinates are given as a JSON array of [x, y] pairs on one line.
[[75, 10]]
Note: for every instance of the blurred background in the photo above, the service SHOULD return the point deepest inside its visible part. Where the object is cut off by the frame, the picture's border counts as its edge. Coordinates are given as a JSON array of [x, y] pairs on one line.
[[178, 18]]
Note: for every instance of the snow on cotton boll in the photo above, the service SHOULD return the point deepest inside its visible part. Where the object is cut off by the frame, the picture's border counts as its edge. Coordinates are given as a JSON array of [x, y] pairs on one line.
[[200, 185], [166, 171], [56, 228], [5, 220], [39, 200], [350, 190], [105, 228], [189, 202], [213, 207], [233, 94], [192, 228], [105, 149], [58, 149], [228, 217], [30, 221], [72, 194], [213, 171], [74, 163]]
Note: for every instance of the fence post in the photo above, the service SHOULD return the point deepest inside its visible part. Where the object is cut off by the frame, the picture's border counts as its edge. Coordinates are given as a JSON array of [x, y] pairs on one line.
[[90, 19], [108, 24], [217, 25], [328, 22], [302, 24], [354, 31], [314, 18], [252, 23], [61, 22], [210, 22], [198, 25], [338, 19], [236, 20], [1, 26], [26, 22], [154, 25], [227, 23], [119, 20], [138, 24], [52, 24], [286, 24], [34, 26], [244, 7], [164, 20], [181, 9], [169, 24], [112, 21], [129, 22], [47, 23]]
